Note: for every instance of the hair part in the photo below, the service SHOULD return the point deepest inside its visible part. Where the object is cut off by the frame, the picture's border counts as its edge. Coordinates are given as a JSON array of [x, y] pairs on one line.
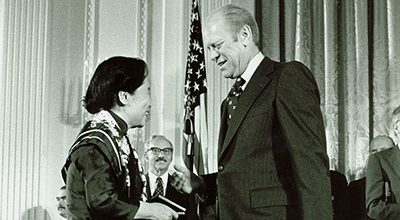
[[235, 17]]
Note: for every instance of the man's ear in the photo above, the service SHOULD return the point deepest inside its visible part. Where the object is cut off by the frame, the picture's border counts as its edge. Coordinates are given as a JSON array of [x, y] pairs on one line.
[[123, 97], [245, 35]]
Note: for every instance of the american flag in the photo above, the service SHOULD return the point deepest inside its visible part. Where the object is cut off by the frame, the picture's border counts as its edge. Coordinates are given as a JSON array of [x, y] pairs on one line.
[[195, 122]]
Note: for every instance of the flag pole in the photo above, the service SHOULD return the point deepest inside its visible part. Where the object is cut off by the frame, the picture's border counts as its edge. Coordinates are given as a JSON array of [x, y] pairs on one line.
[[189, 132]]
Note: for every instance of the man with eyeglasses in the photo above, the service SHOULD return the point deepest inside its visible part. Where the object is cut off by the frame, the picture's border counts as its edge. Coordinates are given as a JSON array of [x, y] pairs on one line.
[[159, 154]]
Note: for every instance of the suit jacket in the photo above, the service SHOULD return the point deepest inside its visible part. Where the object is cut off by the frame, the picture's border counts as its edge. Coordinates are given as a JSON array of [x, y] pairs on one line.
[[383, 174], [272, 157], [184, 200]]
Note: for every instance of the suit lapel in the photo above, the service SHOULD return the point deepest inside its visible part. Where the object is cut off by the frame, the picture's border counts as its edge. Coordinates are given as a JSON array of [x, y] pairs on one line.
[[148, 191], [395, 160], [256, 85], [170, 191], [223, 126]]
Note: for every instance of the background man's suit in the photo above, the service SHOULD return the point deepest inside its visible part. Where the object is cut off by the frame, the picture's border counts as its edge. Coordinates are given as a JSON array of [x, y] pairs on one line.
[[383, 177], [184, 200], [272, 157]]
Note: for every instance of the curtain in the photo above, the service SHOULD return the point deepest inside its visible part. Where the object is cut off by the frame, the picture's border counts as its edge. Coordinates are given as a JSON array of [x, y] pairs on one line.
[[353, 48]]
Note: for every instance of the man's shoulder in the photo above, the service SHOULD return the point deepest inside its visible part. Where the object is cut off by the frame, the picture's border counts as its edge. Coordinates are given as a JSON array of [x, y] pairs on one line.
[[276, 68], [386, 158], [295, 65], [386, 152]]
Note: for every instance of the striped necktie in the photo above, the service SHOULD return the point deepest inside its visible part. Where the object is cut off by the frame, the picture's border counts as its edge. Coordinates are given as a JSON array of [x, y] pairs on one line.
[[159, 189]]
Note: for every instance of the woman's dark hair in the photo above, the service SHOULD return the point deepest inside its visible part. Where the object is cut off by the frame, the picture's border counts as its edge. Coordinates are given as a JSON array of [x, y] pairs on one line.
[[112, 76]]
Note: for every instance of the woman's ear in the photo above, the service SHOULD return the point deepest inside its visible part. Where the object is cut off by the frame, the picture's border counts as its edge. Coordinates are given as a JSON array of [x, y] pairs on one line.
[[123, 97]]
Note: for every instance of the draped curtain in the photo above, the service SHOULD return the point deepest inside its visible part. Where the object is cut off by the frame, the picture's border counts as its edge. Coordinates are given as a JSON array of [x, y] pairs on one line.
[[353, 49]]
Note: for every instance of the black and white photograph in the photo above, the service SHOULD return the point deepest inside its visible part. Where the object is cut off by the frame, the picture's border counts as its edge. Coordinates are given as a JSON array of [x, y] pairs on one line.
[[200, 109]]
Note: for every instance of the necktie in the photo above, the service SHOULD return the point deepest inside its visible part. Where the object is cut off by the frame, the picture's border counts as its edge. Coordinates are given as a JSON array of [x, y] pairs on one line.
[[159, 189], [234, 95]]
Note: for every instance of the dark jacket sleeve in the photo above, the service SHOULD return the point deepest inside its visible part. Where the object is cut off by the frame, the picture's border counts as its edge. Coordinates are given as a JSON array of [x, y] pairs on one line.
[[377, 207], [101, 184], [300, 117]]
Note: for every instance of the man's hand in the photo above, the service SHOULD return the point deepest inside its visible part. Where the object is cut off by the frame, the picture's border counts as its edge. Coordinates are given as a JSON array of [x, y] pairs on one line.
[[186, 181]]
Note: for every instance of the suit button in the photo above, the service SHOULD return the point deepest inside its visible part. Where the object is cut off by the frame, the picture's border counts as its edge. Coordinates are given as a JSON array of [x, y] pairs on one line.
[[220, 168]]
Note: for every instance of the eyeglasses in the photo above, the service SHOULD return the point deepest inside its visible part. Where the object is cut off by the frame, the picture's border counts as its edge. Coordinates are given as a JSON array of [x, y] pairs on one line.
[[157, 151], [58, 198]]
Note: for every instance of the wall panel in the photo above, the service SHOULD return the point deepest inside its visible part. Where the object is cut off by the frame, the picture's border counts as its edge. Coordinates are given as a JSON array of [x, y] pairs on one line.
[[23, 85]]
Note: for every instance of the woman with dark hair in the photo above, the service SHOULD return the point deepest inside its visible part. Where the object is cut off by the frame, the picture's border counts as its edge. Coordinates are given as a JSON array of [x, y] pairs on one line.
[[103, 175]]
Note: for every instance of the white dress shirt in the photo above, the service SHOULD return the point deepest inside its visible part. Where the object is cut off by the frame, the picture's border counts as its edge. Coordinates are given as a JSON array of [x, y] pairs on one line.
[[153, 183], [251, 68]]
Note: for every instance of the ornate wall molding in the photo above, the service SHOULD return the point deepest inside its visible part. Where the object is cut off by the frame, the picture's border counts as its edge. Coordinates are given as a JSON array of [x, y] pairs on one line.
[[90, 47], [143, 18], [138, 135]]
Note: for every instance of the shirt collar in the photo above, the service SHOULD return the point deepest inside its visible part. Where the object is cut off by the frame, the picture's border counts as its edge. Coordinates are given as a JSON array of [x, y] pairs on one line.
[[153, 178], [121, 123], [251, 68]]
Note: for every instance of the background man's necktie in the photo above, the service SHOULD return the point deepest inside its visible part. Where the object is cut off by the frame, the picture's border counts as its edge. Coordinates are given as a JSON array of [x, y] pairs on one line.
[[159, 189], [234, 95]]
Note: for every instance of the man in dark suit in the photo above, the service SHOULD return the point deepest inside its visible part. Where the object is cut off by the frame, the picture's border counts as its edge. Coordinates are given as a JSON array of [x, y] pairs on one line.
[[158, 153], [272, 160], [357, 187], [382, 188]]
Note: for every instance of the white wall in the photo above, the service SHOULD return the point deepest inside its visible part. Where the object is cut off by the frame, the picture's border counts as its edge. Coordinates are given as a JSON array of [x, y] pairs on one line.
[[118, 26]]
